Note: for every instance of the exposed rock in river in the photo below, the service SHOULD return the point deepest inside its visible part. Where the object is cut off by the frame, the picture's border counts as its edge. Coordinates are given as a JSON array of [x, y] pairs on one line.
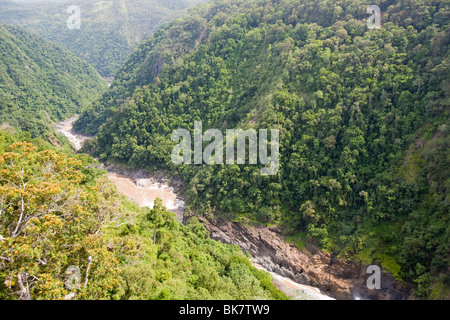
[[309, 267], [143, 188], [335, 277], [66, 128]]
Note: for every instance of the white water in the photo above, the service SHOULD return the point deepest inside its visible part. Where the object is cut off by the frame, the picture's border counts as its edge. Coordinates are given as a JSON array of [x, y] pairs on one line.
[[65, 128], [145, 191], [142, 191], [295, 290]]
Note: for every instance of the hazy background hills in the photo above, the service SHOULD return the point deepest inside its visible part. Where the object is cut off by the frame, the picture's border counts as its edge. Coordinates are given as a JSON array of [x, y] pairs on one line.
[[109, 32]]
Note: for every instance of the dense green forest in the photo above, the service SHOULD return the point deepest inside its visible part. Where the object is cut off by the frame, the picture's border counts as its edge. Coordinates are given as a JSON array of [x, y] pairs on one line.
[[57, 212], [109, 30], [41, 83], [362, 114]]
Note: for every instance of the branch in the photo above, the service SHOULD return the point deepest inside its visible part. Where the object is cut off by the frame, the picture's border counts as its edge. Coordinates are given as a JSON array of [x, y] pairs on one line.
[[7, 259], [15, 185], [14, 235], [24, 292], [87, 272], [43, 261], [70, 296]]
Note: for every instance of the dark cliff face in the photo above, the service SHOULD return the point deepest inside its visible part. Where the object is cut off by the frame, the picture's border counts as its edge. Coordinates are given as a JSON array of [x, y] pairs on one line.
[[335, 277]]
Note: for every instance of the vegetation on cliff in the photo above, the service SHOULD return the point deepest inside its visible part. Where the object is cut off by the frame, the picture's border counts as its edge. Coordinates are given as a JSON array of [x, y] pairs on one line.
[[363, 117], [109, 30], [41, 83], [58, 213]]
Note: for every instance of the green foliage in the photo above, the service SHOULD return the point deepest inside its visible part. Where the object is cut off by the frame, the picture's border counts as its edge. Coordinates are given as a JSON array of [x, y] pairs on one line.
[[185, 263], [41, 83], [109, 31], [298, 239], [58, 211], [51, 219], [351, 105]]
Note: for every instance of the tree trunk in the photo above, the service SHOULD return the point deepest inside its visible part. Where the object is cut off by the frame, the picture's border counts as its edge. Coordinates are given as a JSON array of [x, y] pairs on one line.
[[24, 290], [87, 272]]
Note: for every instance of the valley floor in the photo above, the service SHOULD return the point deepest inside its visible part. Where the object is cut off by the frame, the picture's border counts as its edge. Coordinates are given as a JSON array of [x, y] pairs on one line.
[[144, 189]]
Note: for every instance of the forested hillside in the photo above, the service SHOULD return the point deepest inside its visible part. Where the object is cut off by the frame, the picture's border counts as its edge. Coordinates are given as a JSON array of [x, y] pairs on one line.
[[66, 233], [41, 83], [109, 30], [362, 114]]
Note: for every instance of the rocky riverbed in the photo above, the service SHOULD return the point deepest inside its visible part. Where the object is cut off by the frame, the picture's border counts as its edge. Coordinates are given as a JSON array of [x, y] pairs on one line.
[[138, 185], [66, 128], [310, 266], [307, 274]]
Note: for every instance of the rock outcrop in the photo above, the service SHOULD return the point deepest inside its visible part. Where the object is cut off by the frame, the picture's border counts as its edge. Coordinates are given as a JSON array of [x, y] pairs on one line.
[[335, 277]]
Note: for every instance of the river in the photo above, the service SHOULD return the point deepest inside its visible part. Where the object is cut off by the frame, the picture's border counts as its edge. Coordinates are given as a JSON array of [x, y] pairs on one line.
[[142, 190], [145, 189]]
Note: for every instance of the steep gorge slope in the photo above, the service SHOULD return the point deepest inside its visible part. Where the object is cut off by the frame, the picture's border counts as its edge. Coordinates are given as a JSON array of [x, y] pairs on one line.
[[72, 217], [109, 31], [363, 117], [41, 83]]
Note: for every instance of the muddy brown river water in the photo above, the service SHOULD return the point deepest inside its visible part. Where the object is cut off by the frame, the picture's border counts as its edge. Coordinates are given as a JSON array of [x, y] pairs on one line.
[[144, 195], [144, 192]]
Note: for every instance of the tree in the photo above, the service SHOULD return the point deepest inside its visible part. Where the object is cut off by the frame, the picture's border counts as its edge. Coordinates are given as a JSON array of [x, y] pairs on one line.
[[160, 217], [48, 223]]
